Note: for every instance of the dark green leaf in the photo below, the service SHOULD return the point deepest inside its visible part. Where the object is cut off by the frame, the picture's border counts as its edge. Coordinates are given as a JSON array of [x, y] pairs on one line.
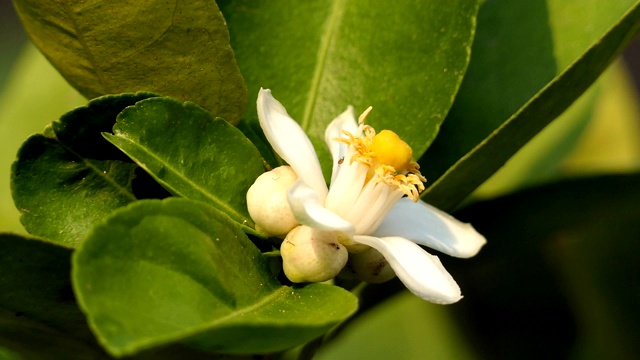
[[69, 177], [35, 280], [37, 307], [406, 60], [190, 153], [23, 338], [39, 317], [158, 272], [530, 62], [178, 49], [19, 118]]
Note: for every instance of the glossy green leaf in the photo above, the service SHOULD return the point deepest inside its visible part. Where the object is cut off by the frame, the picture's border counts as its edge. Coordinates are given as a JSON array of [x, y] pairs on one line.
[[39, 317], [19, 118], [158, 272], [531, 60], [190, 153], [69, 177], [599, 133], [560, 268], [540, 160], [405, 59], [179, 49]]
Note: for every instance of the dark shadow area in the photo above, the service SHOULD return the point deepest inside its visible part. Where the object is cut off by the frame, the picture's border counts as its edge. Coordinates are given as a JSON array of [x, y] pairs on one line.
[[559, 274], [631, 57]]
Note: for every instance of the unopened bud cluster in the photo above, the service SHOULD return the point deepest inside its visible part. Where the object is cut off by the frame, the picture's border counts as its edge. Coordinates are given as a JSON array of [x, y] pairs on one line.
[[308, 254]]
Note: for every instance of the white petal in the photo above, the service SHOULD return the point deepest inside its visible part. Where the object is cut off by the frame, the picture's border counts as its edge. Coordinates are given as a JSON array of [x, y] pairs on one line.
[[426, 225], [345, 121], [309, 210], [290, 142], [420, 272], [346, 187]]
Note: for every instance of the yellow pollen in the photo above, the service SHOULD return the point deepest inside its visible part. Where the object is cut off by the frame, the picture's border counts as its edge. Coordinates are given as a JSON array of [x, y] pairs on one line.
[[390, 150], [387, 157]]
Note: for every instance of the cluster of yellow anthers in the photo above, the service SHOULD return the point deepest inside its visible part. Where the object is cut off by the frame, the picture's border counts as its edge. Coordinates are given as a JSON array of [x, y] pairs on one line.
[[387, 156]]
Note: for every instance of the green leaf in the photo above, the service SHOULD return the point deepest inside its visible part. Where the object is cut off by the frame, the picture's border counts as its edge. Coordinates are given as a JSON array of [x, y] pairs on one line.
[[406, 60], [158, 272], [190, 153], [39, 317], [597, 134], [19, 118], [35, 279], [69, 177], [37, 307], [536, 63], [541, 159], [178, 49]]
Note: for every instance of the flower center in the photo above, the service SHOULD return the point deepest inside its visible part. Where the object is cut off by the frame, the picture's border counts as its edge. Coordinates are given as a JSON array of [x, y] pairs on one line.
[[390, 150], [387, 157], [374, 174]]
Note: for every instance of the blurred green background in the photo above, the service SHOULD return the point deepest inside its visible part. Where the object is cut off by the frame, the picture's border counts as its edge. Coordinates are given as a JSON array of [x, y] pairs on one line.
[[560, 276]]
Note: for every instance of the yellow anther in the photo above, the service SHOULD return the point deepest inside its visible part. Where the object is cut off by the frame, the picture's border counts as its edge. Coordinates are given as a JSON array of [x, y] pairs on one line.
[[390, 150], [386, 156], [364, 115]]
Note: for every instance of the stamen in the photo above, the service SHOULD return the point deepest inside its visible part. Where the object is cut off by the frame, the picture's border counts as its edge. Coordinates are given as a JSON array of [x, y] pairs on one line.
[[387, 157], [364, 115]]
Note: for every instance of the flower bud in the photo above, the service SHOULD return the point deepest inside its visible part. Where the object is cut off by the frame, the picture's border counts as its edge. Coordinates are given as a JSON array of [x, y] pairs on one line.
[[311, 255], [370, 266], [267, 202]]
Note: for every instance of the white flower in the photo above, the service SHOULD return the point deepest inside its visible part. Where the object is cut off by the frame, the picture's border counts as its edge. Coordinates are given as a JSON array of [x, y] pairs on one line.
[[366, 203]]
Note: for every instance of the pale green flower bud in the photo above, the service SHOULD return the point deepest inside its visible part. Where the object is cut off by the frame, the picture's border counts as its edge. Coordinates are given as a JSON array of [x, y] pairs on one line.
[[311, 255], [370, 266], [267, 202]]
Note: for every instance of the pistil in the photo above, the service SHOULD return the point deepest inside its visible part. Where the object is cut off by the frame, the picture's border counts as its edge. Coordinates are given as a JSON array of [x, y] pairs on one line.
[[376, 172]]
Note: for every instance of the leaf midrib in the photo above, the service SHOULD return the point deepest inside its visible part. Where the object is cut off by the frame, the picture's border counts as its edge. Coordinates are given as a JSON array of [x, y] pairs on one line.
[[89, 54], [205, 326], [335, 15], [231, 212], [124, 191]]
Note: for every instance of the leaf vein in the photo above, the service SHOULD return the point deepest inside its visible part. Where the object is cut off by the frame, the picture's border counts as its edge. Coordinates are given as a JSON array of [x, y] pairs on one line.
[[231, 212], [101, 174], [85, 46], [110, 181], [334, 22]]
